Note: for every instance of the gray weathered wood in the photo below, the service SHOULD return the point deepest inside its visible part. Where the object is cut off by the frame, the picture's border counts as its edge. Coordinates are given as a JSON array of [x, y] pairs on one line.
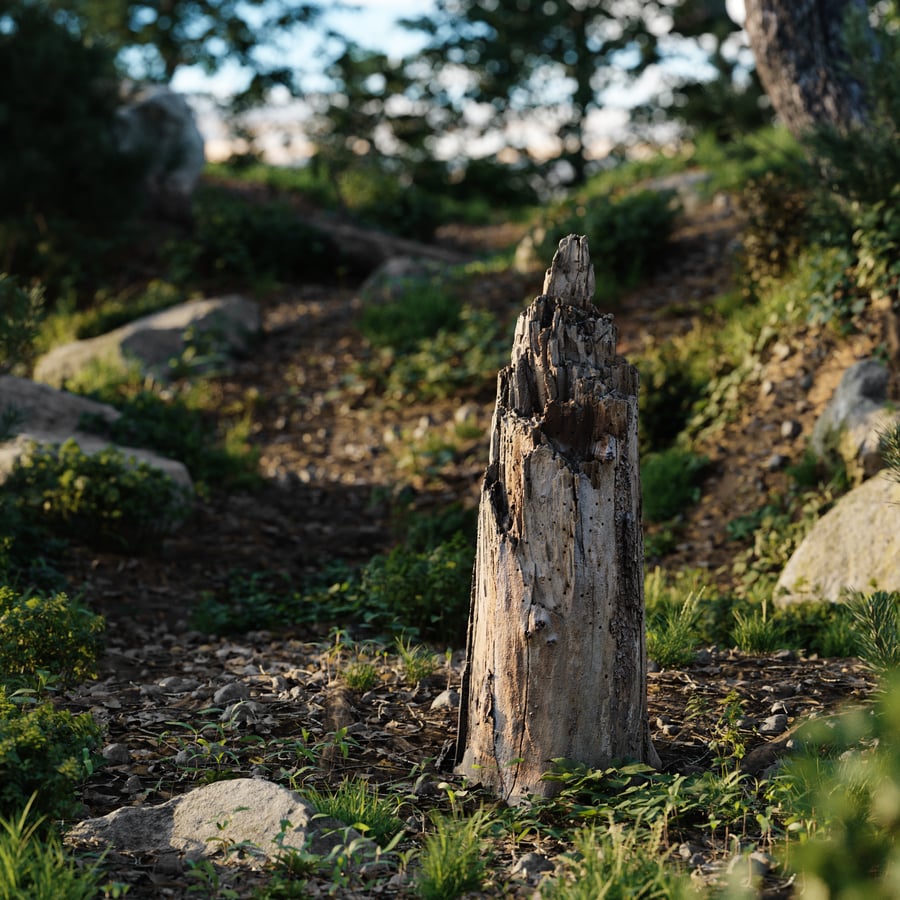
[[556, 660]]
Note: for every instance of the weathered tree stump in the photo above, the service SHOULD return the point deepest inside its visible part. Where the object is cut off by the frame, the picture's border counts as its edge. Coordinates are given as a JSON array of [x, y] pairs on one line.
[[556, 659]]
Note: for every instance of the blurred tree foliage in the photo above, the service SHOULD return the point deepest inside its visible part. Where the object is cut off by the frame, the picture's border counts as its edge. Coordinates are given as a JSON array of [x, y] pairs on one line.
[[153, 39]]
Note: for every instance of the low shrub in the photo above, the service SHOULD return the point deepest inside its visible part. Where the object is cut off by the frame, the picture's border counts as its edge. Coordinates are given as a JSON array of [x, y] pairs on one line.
[[44, 752], [19, 323], [51, 633], [237, 241], [670, 482], [101, 500], [359, 804]]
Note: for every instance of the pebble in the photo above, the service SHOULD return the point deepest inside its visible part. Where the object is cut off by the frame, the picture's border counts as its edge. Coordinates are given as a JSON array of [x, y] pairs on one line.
[[774, 725], [237, 690], [531, 867], [448, 699], [116, 754], [134, 785], [776, 461], [779, 708], [790, 429]]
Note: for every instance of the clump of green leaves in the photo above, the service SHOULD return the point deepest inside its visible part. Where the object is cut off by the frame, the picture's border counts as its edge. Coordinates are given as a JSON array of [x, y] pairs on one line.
[[179, 428], [416, 310], [19, 323], [357, 803], [418, 661], [842, 794], [34, 864], [236, 241], [102, 499], [51, 633], [672, 633], [670, 482], [757, 631], [617, 864], [876, 620], [422, 593], [44, 752], [452, 860]]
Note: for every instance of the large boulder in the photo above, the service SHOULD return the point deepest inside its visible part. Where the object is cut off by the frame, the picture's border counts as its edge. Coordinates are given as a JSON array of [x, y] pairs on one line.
[[47, 416], [855, 418], [159, 125], [855, 546], [214, 325], [262, 817]]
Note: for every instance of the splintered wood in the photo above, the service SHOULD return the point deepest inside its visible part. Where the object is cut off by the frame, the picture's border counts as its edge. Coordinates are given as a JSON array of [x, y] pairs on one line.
[[556, 660]]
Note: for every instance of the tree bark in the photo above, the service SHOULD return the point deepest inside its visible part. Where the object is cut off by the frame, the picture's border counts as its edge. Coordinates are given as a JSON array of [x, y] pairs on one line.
[[556, 659], [801, 60]]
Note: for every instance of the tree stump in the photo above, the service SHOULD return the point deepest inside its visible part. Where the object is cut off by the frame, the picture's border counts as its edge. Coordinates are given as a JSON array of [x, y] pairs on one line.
[[556, 658]]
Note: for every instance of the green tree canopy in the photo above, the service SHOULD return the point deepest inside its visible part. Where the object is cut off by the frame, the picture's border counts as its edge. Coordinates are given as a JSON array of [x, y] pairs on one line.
[[553, 56]]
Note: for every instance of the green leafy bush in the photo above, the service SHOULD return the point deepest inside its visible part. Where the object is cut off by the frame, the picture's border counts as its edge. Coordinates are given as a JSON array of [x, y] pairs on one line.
[[627, 235], [52, 633], [101, 500], [235, 240], [177, 430], [19, 322], [842, 795], [424, 593], [670, 482], [43, 751], [359, 804], [775, 226], [417, 310], [455, 361]]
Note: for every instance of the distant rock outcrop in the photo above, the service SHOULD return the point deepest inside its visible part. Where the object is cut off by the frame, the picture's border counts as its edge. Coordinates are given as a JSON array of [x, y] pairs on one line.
[[855, 546], [222, 325]]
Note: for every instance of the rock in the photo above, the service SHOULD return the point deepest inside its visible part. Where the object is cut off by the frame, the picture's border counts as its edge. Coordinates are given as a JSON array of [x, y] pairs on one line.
[[853, 546], [158, 124], [530, 867], [49, 417], [224, 813], [116, 754], [855, 418], [228, 693], [790, 429], [153, 342], [774, 725], [448, 699]]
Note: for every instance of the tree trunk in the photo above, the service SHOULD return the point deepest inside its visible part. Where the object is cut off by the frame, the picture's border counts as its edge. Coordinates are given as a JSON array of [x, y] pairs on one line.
[[801, 60], [556, 660]]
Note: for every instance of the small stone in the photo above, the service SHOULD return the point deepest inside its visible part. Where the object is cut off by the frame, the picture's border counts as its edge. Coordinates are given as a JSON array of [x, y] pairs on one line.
[[766, 388], [704, 656], [116, 754], [448, 699], [774, 725], [133, 785], [779, 708], [776, 461], [785, 656], [790, 429], [745, 723], [530, 867], [781, 351], [242, 711], [237, 690]]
